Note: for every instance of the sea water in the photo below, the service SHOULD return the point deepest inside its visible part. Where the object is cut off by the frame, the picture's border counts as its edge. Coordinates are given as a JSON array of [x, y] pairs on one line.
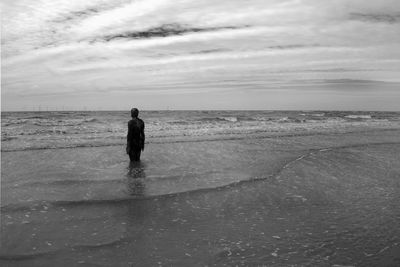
[[213, 188], [55, 153], [60, 129]]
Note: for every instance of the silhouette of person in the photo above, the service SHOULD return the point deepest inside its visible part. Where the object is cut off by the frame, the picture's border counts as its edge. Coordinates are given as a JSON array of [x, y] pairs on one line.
[[135, 137]]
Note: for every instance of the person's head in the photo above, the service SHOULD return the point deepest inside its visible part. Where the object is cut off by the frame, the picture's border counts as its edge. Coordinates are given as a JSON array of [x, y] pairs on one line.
[[134, 112]]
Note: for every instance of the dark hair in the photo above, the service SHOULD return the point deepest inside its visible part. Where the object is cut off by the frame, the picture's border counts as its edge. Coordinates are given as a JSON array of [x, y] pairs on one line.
[[134, 112]]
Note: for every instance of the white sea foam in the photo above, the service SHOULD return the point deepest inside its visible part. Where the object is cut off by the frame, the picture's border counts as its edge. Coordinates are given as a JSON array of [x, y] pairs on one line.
[[231, 119], [358, 116]]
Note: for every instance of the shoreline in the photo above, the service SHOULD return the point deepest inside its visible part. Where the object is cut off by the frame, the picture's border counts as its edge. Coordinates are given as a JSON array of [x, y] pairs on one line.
[[331, 201]]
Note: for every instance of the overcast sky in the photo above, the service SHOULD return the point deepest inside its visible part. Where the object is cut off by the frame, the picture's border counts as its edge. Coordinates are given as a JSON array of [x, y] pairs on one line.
[[201, 54]]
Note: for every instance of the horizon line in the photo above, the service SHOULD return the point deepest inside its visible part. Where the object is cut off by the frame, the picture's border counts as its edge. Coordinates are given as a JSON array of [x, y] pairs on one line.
[[172, 110]]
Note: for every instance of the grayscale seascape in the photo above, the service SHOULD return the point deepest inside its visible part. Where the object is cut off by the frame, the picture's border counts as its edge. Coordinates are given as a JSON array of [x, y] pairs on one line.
[[214, 188], [142, 133]]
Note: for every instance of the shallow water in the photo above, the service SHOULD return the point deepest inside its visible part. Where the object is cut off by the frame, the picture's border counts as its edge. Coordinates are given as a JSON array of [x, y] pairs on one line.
[[42, 130], [315, 199]]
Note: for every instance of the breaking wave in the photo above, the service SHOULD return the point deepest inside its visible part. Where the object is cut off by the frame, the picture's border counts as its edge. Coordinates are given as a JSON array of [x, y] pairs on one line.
[[26, 131]]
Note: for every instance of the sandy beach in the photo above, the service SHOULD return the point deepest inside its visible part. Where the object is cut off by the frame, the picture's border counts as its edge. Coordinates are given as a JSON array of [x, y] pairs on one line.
[[322, 199]]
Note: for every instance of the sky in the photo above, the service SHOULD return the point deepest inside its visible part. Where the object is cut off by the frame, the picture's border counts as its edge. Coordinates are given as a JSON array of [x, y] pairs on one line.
[[200, 54]]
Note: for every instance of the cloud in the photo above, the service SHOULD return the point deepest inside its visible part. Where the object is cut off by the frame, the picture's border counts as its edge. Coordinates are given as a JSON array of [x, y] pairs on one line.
[[164, 30], [51, 46], [376, 18]]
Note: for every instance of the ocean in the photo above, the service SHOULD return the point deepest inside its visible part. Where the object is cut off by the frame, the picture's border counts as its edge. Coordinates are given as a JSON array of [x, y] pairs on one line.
[[44, 130], [213, 188]]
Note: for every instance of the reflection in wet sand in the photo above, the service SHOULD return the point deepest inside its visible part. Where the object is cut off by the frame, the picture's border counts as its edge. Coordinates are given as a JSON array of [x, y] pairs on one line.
[[135, 176]]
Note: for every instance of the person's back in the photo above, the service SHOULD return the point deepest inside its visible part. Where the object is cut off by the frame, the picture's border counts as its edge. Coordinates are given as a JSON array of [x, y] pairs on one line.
[[135, 137]]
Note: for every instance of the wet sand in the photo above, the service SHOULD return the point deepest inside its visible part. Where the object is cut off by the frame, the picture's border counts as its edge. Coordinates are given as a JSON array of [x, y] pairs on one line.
[[316, 200]]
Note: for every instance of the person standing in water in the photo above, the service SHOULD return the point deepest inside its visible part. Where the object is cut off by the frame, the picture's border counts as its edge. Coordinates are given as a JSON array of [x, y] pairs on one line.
[[135, 137]]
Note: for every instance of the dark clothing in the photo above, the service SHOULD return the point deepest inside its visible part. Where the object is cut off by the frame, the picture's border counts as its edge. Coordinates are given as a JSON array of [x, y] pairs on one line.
[[135, 139], [134, 154]]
